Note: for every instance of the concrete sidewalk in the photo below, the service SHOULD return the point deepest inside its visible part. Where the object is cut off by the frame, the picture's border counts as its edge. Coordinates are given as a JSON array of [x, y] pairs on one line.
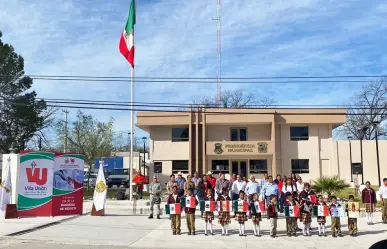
[[121, 228]]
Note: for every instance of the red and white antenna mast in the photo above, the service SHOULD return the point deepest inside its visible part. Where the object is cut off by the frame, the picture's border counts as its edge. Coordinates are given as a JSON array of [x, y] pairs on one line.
[[218, 55]]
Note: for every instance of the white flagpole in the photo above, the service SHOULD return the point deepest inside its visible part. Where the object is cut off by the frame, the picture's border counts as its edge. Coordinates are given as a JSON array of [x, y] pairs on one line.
[[131, 134]]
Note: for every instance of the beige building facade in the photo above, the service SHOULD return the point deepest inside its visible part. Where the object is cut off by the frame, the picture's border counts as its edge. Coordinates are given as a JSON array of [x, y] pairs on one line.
[[254, 142]]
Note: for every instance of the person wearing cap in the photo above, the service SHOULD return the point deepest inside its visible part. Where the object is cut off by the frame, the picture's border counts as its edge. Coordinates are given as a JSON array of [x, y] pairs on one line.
[[212, 180], [155, 191], [180, 182], [383, 199]]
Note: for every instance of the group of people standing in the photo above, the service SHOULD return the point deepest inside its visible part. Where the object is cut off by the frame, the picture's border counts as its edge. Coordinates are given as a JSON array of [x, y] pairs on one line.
[[279, 192]]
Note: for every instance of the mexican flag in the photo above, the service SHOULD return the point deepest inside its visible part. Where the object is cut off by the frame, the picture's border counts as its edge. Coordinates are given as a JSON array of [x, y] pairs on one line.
[[241, 206], [188, 202], [127, 36], [174, 208], [320, 210], [258, 207], [292, 211], [208, 206], [225, 206]]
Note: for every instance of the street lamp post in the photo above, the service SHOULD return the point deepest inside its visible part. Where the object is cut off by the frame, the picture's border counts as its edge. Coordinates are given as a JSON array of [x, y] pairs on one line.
[[350, 156], [362, 131], [144, 140], [376, 123]]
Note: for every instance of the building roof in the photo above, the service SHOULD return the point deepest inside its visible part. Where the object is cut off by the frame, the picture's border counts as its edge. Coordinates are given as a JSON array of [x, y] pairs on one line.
[[230, 116]]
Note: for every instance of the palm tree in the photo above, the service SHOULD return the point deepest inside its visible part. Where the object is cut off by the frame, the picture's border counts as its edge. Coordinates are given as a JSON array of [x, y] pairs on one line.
[[329, 185]]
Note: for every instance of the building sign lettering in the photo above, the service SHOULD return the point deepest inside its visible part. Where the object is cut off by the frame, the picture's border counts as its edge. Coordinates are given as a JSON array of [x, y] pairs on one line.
[[260, 147]]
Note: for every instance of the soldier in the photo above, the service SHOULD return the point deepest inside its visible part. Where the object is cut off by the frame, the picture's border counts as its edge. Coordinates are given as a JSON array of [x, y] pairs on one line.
[[155, 190]]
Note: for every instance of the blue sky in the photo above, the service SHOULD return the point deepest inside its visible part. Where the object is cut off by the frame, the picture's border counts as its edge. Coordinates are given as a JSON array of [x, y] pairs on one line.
[[178, 39]]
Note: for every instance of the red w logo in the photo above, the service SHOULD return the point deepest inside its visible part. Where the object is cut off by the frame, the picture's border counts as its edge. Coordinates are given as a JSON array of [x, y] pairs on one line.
[[36, 177]]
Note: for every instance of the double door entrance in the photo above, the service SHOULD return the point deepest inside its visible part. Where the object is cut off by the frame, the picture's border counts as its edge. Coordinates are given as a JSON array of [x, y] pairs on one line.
[[239, 167]]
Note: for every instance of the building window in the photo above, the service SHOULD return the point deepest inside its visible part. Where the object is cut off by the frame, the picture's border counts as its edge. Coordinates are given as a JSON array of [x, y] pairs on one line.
[[180, 134], [300, 166], [299, 133], [238, 134], [180, 166], [220, 166], [258, 166]]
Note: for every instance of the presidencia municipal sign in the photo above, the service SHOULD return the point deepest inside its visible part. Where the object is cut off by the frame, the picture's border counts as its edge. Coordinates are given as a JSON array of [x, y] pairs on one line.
[[35, 184], [68, 184], [245, 148]]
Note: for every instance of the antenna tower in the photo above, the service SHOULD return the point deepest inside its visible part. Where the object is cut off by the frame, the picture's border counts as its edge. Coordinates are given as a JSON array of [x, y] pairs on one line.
[[218, 54]]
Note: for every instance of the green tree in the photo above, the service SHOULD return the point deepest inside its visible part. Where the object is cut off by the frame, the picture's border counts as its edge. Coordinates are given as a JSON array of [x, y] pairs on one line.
[[88, 136], [329, 185], [21, 115]]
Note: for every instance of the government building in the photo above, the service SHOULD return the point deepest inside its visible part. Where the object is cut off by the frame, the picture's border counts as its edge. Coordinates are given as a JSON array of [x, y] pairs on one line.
[[254, 142]]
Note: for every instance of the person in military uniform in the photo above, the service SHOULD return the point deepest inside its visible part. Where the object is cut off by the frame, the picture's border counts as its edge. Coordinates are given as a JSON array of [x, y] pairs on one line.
[[155, 191]]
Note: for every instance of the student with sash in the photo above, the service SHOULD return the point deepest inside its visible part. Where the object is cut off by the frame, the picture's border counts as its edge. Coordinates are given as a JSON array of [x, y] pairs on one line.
[[352, 222], [383, 200], [241, 217], [368, 197], [208, 216], [272, 215], [306, 208], [291, 222], [321, 220], [175, 218], [224, 218], [335, 218], [287, 188], [255, 217]]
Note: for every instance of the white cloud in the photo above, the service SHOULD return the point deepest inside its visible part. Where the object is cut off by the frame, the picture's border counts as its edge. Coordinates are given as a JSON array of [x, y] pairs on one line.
[[178, 39]]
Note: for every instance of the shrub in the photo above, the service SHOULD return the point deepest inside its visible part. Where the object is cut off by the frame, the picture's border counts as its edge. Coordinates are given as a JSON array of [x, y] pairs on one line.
[[329, 185]]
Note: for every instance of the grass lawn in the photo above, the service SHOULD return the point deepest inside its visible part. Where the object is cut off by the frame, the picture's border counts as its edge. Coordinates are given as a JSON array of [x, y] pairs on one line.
[[111, 193], [352, 191]]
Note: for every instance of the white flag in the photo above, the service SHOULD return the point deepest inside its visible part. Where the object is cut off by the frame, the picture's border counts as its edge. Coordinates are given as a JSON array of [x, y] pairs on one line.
[[6, 187], [100, 190]]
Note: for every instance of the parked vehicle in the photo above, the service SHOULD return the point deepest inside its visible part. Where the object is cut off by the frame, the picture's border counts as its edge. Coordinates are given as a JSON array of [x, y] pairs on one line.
[[118, 177], [93, 180]]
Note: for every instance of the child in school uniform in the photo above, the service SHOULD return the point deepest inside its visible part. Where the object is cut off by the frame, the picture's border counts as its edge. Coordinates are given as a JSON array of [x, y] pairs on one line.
[[175, 218], [335, 221], [224, 218], [241, 217], [272, 215], [306, 209], [291, 222], [321, 220], [352, 222], [255, 218], [190, 214], [208, 216]]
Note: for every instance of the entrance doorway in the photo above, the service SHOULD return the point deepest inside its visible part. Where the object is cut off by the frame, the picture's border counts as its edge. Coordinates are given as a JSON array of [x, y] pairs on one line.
[[239, 167]]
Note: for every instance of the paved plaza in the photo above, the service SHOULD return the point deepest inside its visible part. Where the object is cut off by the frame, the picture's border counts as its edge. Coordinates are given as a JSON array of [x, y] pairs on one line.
[[121, 229]]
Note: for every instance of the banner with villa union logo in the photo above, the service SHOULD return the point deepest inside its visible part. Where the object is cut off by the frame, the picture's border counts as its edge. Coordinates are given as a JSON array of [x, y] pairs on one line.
[[67, 196], [35, 183]]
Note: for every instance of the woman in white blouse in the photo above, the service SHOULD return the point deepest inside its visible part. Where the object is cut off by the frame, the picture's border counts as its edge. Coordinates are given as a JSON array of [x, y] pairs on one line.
[[299, 184], [288, 187]]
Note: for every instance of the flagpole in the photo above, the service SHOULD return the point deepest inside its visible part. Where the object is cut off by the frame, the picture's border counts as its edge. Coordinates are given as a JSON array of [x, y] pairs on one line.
[[131, 134]]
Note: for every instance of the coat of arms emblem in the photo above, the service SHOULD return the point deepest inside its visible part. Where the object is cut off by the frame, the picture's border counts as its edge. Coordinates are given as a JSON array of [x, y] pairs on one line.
[[218, 148], [262, 147]]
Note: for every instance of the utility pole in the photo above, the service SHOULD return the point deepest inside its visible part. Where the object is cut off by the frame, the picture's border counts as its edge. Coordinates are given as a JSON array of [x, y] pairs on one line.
[[218, 53], [40, 143], [66, 112]]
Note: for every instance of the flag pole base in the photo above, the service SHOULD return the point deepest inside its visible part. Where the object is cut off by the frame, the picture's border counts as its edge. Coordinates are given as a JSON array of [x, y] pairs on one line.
[[11, 211], [97, 213]]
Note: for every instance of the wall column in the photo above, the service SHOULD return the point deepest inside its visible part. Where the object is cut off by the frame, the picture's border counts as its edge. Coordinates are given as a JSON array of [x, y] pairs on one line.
[[197, 138], [190, 140], [204, 139], [274, 159]]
